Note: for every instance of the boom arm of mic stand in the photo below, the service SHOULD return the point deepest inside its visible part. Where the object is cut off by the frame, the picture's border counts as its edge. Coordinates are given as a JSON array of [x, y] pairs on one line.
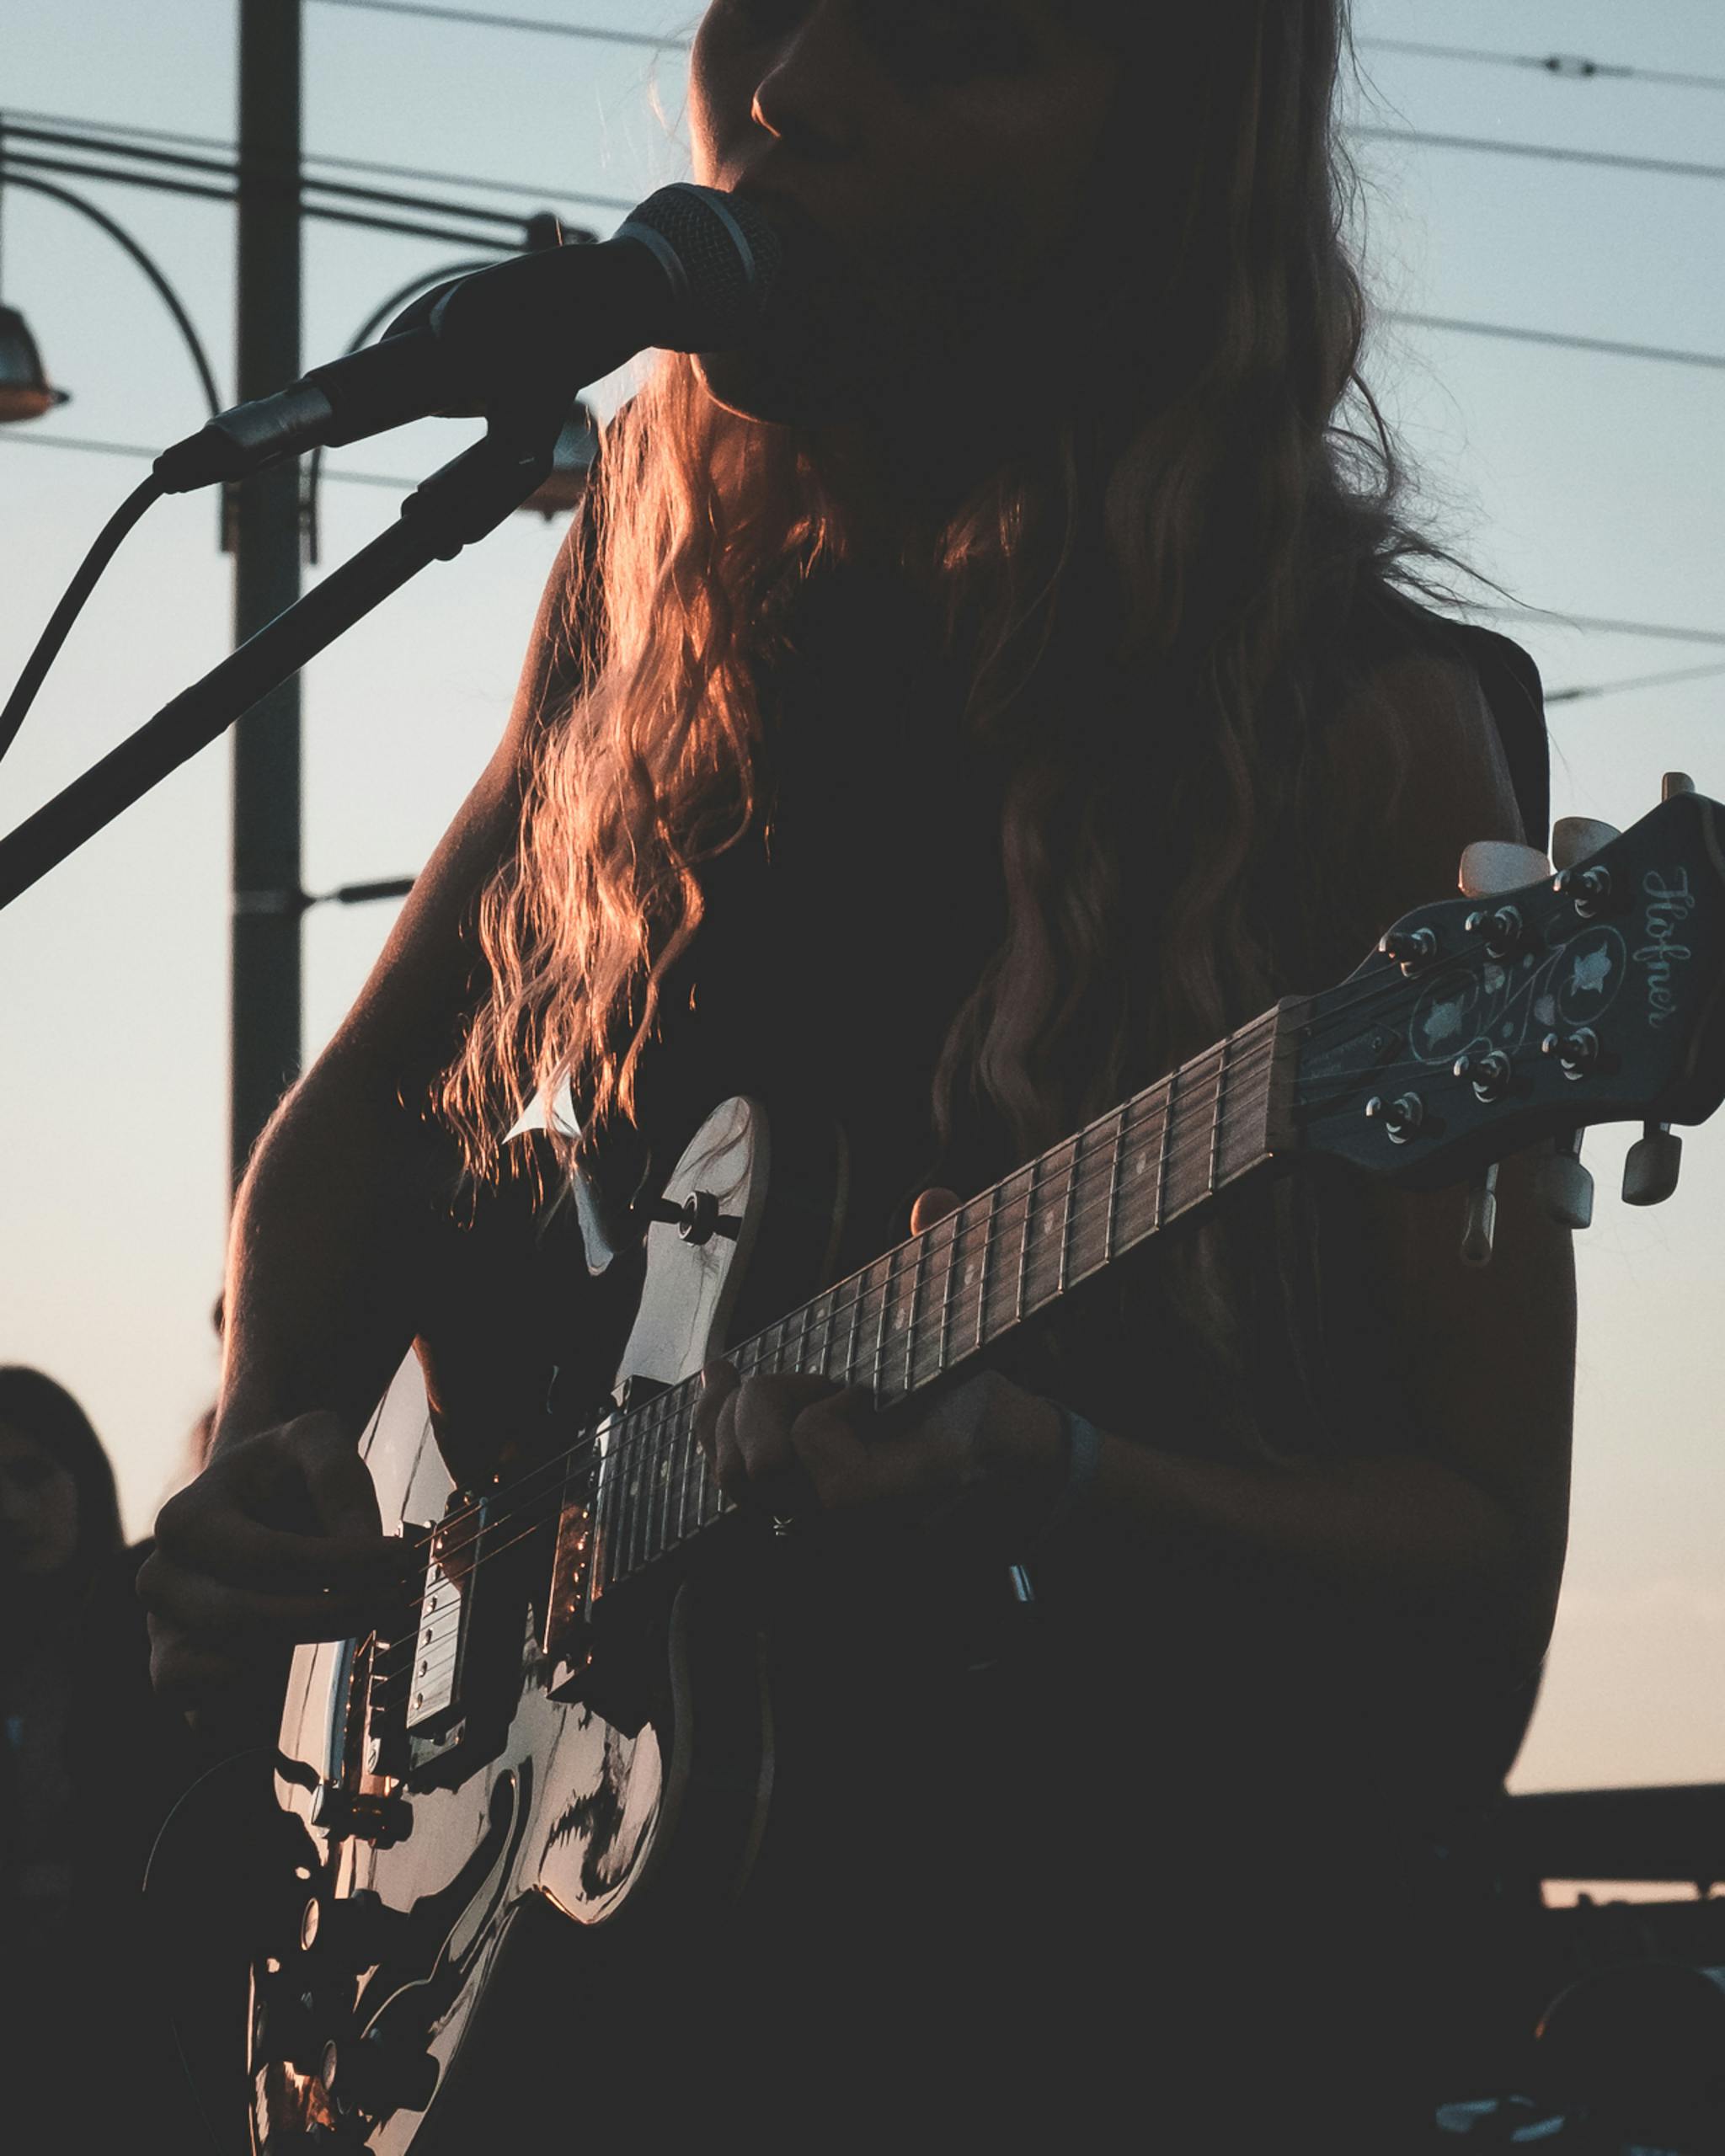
[[456, 505]]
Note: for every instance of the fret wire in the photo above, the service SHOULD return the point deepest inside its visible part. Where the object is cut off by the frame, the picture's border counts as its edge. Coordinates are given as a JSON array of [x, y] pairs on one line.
[[886, 1301], [668, 1477], [680, 1453], [1024, 1226], [856, 1323], [631, 1498], [655, 1461], [1216, 1122], [916, 1271], [946, 1299], [994, 1207], [687, 1453], [1066, 1221], [1111, 1217], [608, 1513], [1162, 1154]]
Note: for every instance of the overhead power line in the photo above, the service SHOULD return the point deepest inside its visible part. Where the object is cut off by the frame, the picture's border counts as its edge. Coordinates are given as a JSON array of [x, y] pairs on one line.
[[18, 438], [115, 137], [1571, 66], [1641, 681], [596, 33], [1663, 354], [1552, 154], [13, 439], [1599, 625]]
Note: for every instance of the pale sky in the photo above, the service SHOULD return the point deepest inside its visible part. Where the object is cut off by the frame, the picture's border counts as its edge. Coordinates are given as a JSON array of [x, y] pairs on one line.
[[1591, 484]]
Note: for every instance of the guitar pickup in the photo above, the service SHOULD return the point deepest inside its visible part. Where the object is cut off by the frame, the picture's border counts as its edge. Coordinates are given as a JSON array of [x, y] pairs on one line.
[[434, 1682]]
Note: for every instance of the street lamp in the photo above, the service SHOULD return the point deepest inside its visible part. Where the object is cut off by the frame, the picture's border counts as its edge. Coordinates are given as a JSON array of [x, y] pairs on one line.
[[25, 393]]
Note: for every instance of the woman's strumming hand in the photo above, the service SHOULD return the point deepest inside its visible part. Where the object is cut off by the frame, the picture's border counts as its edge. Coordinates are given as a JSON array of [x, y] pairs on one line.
[[278, 1541]]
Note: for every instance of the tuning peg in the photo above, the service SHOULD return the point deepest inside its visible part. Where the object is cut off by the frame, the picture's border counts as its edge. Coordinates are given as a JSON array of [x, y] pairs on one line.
[[1674, 783], [1480, 1232], [1492, 866], [1573, 838], [1651, 1171], [1564, 1188]]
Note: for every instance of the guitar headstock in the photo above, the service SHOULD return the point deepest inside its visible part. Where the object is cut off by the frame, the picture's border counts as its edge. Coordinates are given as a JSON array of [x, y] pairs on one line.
[[1483, 1025]]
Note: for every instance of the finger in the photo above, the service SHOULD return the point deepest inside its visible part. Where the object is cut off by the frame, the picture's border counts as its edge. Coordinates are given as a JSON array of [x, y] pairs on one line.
[[933, 1205], [728, 1471], [832, 1448], [339, 1479], [192, 1602], [766, 1409], [213, 1536], [718, 1380]]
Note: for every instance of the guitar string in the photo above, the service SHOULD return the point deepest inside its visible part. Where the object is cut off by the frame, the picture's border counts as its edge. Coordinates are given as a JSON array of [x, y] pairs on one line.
[[676, 1406], [666, 1412], [1113, 1127], [661, 1417], [676, 1491], [1382, 982], [669, 1413], [1247, 1067], [673, 1408]]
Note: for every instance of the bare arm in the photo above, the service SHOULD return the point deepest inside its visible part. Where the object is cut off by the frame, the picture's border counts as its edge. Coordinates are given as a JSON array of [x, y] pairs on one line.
[[336, 1237]]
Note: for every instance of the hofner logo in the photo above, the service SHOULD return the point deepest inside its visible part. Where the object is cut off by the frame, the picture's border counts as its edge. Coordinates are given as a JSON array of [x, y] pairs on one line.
[[1668, 906]]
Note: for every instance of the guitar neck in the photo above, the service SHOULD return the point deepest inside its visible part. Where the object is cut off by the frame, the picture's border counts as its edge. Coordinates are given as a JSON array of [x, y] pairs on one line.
[[941, 1300]]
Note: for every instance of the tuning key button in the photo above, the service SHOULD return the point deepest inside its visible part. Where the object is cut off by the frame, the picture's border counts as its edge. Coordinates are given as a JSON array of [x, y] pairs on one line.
[[1410, 947], [1651, 1171], [1400, 1118], [1576, 1054], [1564, 1188], [1489, 1075], [1591, 889], [1674, 783], [1501, 926]]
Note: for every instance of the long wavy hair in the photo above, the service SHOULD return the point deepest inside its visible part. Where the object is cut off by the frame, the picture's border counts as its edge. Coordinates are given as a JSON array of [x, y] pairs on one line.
[[1148, 593]]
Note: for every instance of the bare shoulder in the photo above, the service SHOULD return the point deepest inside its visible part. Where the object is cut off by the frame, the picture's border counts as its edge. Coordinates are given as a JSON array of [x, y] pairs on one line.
[[1416, 773]]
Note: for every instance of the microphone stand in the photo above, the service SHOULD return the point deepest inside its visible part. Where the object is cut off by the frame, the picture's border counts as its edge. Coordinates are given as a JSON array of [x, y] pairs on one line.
[[468, 497]]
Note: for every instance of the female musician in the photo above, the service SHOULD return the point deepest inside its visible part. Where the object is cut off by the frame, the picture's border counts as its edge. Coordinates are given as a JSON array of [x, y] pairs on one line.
[[987, 690]]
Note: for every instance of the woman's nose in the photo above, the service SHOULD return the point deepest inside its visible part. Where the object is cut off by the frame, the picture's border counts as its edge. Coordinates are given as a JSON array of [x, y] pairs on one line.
[[807, 98]]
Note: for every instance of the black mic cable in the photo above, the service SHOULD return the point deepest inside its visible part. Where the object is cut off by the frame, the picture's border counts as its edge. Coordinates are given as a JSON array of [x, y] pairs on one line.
[[47, 650]]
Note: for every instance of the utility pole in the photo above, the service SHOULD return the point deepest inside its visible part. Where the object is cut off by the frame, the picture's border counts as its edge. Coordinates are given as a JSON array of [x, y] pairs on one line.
[[264, 961]]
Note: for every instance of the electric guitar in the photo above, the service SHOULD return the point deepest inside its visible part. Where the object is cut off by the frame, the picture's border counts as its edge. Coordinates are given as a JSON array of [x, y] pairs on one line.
[[568, 1728]]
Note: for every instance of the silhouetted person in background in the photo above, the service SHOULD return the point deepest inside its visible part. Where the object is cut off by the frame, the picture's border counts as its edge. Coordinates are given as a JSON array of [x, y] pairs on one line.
[[91, 1766]]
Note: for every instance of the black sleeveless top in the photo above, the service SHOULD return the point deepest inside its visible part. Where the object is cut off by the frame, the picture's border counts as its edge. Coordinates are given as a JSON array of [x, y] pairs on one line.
[[1194, 1758], [840, 941]]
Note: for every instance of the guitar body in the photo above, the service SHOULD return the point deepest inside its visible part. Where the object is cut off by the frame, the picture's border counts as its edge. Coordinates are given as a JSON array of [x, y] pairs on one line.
[[581, 1829]]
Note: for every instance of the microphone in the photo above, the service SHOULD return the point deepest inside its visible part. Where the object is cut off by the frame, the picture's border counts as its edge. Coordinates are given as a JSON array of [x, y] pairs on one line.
[[689, 271]]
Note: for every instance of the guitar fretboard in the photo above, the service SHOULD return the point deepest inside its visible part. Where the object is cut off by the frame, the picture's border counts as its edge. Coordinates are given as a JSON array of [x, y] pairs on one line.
[[939, 1300]]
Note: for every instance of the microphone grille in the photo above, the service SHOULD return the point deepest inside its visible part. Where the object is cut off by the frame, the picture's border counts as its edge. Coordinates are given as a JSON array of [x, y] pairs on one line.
[[720, 254]]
